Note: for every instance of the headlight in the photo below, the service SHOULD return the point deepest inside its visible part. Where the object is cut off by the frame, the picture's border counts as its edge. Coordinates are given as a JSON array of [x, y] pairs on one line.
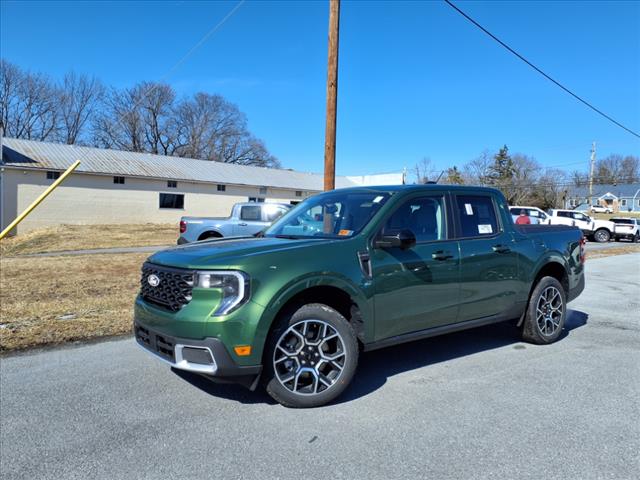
[[234, 287]]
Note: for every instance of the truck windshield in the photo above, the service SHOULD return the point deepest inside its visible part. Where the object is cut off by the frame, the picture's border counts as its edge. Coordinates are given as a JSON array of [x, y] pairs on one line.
[[329, 215]]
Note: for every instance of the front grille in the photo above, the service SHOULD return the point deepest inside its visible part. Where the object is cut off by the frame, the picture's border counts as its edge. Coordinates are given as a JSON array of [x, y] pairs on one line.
[[173, 289]]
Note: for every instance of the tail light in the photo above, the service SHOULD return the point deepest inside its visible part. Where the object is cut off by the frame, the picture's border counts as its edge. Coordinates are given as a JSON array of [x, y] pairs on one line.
[[183, 226], [583, 255]]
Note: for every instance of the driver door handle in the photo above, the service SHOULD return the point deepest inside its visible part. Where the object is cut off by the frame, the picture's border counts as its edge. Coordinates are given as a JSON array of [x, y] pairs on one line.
[[441, 255], [501, 249]]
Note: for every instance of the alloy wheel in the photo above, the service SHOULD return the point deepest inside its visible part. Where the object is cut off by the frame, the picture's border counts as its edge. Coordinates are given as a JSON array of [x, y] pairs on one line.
[[549, 311], [309, 357]]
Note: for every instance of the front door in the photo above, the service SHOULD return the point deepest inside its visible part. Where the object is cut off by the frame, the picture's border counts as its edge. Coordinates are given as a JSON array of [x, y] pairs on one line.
[[489, 282], [416, 288]]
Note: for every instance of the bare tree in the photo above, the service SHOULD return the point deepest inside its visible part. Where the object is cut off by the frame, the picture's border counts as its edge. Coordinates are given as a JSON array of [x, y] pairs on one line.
[[29, 104], [144, 118], [120, 124], [79, 97], [423, 171], [476, 171], [211, 128]]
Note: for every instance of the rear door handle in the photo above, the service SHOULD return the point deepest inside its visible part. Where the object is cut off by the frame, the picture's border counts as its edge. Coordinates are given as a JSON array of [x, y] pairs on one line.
[[501, 249], [242, 224], [441, 255]]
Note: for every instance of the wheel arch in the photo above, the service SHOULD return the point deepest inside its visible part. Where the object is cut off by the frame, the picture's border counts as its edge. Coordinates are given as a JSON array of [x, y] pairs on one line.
[[333, 291], [209, 233]]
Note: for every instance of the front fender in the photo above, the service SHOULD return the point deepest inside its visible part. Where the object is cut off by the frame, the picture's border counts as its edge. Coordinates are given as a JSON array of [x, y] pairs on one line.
[[318, 279]]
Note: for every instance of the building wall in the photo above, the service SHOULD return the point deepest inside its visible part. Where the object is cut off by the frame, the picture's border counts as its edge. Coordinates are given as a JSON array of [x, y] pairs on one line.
[[95, 199]]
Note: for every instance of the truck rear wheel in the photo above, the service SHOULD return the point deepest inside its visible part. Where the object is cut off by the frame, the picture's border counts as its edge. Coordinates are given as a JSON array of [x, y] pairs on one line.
[[310, 357], [546, 312]]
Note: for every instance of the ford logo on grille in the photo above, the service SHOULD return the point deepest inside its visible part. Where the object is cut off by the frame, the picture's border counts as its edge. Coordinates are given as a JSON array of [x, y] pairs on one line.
[[153, 280]]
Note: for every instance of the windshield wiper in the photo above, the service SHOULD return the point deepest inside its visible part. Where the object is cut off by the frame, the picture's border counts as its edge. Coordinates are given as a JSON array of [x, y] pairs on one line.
[[290, 237]]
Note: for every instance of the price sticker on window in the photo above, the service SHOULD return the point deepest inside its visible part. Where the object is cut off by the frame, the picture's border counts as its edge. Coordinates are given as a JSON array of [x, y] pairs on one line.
[[468, 208]]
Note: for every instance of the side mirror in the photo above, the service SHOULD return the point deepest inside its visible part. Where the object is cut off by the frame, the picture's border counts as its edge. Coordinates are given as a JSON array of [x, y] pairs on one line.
[[403, 239]]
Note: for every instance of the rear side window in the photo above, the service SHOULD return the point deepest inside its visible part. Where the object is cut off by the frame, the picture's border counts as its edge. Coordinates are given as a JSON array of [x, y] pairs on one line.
[[565, 214], [250, 213], [477, 216]]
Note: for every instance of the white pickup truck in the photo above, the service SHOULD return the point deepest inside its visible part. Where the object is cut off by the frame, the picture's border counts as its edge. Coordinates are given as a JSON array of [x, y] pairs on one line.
[[246, 219], [598, 230]]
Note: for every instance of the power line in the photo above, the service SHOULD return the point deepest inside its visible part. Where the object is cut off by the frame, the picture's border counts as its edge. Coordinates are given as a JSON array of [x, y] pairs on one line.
[[597, 110]]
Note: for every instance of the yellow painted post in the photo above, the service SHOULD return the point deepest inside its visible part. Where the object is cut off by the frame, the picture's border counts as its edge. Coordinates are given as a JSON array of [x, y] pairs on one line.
[[38, 200]]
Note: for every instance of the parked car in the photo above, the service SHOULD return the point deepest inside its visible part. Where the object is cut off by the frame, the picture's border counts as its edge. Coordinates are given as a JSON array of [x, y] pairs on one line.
[[598, 230], [245, 219], [600, 209], [627, 228], [536, 216], [293, 308]]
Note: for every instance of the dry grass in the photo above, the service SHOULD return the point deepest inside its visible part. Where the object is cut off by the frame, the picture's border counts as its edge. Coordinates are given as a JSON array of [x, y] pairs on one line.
[[608, 216], [59, 299], [75, 237], [622, 249]]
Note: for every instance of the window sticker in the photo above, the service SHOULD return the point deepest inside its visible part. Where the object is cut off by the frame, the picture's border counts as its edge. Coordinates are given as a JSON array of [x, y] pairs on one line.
[[378, 199], [468, 208], [486, 228], [345, 233]]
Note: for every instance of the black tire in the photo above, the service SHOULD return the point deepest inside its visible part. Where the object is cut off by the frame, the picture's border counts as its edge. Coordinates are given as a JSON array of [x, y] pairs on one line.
[[279, 365], [602, 235], [636, 238], [544, 328], [208, 235]]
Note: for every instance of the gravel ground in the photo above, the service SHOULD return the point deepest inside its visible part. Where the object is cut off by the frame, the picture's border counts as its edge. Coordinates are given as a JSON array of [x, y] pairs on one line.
[[477, 404]]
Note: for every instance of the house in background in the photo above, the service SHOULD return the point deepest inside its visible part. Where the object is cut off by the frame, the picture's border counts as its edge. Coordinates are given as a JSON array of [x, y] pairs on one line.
[[117, 187], [624, 197]]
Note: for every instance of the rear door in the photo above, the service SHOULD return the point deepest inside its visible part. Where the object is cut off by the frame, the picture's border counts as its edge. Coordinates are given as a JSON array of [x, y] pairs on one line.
[[489, 282], [417, 288]]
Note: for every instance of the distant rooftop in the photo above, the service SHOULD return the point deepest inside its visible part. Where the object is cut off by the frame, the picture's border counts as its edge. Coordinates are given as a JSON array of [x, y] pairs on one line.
[[54, 156], [619, 190]]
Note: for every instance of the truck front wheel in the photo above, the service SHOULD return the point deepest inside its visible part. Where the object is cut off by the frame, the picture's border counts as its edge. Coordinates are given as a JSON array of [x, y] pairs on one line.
[[602, 235], [546, 312], [310, 357]]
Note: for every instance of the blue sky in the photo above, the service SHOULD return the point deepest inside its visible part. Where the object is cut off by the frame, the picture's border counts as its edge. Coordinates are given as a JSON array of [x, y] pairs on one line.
[[415, 79]]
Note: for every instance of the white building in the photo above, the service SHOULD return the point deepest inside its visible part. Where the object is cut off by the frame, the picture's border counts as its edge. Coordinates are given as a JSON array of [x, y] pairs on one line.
[[111, 186]]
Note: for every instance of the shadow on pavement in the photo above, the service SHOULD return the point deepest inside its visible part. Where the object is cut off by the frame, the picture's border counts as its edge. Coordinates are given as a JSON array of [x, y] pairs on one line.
[[375, 367]]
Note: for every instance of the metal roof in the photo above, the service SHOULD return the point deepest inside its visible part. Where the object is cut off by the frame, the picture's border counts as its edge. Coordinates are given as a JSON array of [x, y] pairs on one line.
[[55, 156], [620, 190]]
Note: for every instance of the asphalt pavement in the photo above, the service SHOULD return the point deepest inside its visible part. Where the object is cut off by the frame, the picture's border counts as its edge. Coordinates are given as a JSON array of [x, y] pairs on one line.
[[472, 405]]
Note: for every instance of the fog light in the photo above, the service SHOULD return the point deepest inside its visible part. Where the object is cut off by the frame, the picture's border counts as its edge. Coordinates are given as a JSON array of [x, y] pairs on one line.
[[197, 355]]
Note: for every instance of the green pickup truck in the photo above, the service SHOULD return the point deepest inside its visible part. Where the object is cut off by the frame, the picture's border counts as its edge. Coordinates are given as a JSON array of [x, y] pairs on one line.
[[353, 270]]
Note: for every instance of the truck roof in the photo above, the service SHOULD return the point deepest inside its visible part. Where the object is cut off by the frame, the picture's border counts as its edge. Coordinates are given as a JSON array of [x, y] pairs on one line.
[[426, 187]]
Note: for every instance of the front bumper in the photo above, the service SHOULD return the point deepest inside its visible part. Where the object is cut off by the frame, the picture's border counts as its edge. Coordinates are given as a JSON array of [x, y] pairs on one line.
[[208, 356]]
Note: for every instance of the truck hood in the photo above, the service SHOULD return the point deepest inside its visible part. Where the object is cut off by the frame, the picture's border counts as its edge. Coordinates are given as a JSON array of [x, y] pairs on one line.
[[227, 251]]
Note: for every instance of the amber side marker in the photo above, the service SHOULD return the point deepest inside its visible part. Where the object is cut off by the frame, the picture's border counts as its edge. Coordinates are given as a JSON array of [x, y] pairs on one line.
[[242, 350]]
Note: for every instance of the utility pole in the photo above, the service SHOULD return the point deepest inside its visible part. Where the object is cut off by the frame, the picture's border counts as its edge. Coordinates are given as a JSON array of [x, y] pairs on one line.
[[332, 97], [593, 166]]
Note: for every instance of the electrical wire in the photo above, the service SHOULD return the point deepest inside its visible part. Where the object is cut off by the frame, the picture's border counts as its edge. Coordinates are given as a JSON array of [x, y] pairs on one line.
[[577, 97]]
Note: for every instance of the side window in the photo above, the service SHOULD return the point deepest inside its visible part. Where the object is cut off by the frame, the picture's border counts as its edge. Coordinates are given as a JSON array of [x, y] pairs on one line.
[[477, 215], [424, 216], [564, 214], [271, 214], [250, 213]]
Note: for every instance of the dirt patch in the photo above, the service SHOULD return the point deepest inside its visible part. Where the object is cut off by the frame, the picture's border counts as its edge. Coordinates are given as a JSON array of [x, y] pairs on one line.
[[60, 299], [80, 237]]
